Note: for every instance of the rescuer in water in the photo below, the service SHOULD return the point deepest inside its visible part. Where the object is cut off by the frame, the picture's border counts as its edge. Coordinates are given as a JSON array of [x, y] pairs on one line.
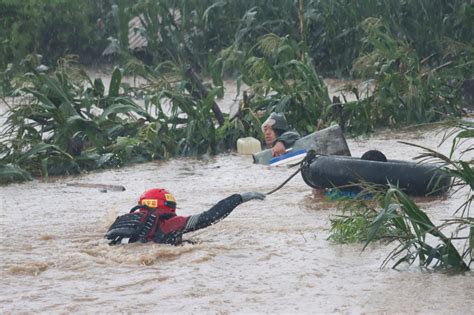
[[155, 219]]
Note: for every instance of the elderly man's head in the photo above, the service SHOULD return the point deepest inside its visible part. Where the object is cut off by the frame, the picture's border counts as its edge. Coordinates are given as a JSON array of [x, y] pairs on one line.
[[273, 127]]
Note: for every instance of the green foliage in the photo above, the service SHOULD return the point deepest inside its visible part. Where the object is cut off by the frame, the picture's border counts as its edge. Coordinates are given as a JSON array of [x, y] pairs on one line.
[[353, 224], [414, 226], [187, 30], [190, 119], [406, 89], [11, 172], [49, 28], [71, 124], [283, 79], [196, 31], [420, 240], [65, 117]]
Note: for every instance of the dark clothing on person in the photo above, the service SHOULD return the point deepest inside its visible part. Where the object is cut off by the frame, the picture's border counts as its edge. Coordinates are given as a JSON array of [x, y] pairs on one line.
[[277, 122], [288, 138], [143, 224], [374, 155]]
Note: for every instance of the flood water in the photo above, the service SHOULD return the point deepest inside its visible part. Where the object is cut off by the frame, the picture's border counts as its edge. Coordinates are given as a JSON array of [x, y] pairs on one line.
[[268, 256]]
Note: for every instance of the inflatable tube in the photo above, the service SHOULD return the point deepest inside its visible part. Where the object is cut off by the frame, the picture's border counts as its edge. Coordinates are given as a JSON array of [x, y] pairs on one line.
[[412, 178], [326, 141]]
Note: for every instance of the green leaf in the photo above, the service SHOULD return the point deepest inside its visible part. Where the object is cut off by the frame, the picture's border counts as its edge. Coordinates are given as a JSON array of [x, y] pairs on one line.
[[466, 134], [115, 81], [41, 148], [9, 171], [117, 108], [41, 97], [379, 221], [99, 88]]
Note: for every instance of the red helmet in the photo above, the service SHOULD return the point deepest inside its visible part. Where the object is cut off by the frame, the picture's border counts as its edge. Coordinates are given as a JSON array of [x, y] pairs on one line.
[[160, 199]]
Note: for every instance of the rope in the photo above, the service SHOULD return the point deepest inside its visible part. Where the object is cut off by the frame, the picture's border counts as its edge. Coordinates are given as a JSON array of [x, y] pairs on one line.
[[284, 183], [307, 159]]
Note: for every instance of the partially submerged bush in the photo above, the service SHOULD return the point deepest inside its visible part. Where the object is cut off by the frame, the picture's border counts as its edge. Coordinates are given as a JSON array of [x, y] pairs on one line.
[[420, 240], [69, 122]]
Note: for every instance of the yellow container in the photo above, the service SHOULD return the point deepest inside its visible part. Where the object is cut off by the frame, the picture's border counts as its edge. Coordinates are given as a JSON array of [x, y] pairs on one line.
[[248, 145]]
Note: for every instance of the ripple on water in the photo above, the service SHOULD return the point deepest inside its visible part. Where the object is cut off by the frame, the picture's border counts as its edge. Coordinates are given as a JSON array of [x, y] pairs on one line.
[[30, 268]]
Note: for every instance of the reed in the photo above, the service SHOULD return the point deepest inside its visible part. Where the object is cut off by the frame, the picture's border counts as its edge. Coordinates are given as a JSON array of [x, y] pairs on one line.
[[392, 215]]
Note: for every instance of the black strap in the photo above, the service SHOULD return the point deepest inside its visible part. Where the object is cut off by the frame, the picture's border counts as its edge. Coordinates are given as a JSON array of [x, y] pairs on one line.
[[133, 225], [310, 156], [140, 207], [149, 222], [164, 216]]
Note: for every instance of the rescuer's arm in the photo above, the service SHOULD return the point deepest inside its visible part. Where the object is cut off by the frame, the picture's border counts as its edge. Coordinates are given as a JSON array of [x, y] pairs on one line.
[[219, 211]]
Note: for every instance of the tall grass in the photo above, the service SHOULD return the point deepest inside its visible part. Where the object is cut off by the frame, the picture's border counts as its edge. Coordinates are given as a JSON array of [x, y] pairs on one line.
[[407, 90]]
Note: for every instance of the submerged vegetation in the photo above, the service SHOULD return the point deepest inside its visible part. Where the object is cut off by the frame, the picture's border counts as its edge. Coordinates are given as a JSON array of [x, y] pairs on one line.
[[68, 122], [73, 123], [393, 216]]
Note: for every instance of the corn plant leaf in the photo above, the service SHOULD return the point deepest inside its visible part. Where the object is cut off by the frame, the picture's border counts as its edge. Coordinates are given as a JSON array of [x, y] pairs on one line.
[[115, 81], [379, 221], [99, 88], [14, 171], [41, 97], [54, 85], [471, 241], [466, 134], [41, 148], [124, 106], [44, 168]]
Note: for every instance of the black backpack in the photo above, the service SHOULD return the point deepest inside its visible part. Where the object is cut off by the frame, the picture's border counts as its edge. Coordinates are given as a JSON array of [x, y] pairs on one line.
[[135, 225]]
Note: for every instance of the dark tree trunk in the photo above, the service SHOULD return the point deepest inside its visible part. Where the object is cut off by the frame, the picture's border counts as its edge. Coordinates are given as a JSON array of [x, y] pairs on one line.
[[197, 82]]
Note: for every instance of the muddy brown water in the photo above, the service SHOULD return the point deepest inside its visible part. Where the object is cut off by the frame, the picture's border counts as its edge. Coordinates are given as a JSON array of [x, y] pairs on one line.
[[268, 256]]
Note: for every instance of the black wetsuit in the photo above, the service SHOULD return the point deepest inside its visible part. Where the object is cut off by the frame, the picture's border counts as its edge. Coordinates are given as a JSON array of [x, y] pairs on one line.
[[146, 225]]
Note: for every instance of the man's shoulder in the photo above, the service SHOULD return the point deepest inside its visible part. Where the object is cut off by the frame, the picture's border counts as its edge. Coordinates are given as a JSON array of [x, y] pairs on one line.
[[291, 132]]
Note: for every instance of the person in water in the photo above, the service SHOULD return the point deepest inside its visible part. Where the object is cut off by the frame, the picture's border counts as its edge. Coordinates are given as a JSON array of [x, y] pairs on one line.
[[155, 219], [374, 155], [277, 135]]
